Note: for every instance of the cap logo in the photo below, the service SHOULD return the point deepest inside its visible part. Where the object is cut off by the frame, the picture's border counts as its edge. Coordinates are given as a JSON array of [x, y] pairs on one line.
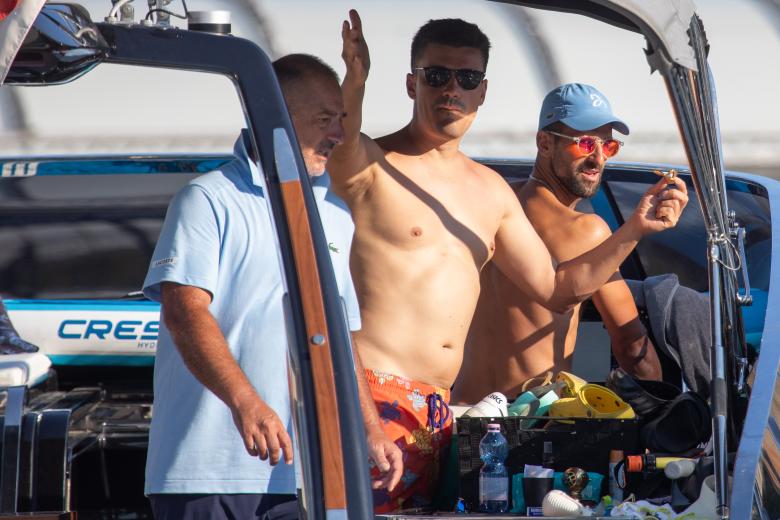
[[597, 101]]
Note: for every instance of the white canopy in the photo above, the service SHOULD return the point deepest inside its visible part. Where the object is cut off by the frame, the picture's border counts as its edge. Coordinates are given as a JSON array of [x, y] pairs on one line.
[[663, 22]]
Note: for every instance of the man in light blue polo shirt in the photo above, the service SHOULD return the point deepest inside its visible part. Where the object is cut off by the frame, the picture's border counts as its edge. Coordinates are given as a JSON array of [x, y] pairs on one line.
[[221, 401]]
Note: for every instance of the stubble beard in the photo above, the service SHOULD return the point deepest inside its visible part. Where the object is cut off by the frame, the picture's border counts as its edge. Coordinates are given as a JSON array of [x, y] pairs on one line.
[[452, 125], [315, 165], [579, 187]]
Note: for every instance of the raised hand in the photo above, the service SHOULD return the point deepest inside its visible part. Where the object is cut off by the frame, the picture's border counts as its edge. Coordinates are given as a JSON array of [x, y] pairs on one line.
[[660, 208], [355, 50]]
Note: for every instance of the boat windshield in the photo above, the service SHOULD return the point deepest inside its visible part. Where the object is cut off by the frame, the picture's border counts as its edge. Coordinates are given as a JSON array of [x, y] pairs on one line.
[[687, 244]]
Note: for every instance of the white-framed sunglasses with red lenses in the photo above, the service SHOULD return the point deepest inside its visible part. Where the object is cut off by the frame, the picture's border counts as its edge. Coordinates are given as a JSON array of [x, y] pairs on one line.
[[587, 143]]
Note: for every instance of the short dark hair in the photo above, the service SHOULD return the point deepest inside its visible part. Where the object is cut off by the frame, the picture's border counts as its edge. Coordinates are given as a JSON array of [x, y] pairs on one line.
[[556, 126], [296, 68], [453, 32]]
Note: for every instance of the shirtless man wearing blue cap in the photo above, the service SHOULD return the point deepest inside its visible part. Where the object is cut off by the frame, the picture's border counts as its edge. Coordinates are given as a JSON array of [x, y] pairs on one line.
[[427, 220], [513, 337]]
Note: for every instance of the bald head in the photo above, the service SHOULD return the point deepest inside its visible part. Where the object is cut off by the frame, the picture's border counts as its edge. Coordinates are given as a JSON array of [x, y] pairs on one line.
[[313, 95]]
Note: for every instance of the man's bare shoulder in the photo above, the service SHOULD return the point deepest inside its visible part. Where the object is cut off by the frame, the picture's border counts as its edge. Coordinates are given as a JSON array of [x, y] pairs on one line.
[[566, 233], [589, 230], [487, 171], [492, 179], [395, 143], [373, 146], [352, 169]]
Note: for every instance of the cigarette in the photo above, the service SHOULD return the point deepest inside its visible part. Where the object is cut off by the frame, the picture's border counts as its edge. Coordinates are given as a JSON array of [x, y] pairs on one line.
[[668, 175]]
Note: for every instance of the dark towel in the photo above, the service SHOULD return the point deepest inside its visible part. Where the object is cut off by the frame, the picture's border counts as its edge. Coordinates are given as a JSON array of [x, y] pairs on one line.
[[10, 342], [679, 320]]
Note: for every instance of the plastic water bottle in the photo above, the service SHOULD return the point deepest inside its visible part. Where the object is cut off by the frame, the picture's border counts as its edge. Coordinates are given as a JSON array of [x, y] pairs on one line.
[[493, 478], [615, 479]]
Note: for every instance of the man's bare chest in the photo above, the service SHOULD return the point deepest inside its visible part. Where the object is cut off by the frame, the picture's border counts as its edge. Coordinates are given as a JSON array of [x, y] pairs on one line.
[[415, 213]]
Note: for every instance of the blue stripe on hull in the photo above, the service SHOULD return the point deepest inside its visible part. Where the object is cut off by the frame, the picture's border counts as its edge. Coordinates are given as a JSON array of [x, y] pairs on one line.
[[94, 360], [81, 305]]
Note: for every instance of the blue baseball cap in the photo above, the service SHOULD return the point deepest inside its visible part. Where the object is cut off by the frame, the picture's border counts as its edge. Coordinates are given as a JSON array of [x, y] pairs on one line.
[[580, 107]]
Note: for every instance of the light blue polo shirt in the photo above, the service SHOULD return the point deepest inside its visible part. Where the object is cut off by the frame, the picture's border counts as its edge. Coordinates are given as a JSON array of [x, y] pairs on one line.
[[218, 236]]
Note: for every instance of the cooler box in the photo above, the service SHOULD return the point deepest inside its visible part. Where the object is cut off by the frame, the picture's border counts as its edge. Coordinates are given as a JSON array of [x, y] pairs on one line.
[[583, 443]]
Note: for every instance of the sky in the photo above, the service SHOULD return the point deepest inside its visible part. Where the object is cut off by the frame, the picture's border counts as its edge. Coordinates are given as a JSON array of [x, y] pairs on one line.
[[163, 103]]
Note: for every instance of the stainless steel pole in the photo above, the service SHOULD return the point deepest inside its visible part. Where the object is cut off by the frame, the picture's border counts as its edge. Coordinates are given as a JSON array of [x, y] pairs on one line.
[[718, 394]]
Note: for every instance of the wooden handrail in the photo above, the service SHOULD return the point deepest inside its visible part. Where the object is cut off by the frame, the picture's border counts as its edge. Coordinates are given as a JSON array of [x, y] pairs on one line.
[[319, 344]]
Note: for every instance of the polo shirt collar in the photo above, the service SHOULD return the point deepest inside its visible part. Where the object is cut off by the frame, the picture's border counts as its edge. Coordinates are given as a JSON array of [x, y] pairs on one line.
[[320, 184], [241, 152]]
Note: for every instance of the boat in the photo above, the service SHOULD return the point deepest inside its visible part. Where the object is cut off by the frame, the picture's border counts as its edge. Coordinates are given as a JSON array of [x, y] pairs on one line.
[[71, 432]]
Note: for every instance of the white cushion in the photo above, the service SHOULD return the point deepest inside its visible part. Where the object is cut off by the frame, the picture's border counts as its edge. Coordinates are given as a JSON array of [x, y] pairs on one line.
[[23, 369]]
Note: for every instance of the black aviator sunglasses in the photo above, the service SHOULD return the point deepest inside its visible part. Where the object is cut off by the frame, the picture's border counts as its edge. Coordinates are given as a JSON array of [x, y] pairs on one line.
[[435, 77]]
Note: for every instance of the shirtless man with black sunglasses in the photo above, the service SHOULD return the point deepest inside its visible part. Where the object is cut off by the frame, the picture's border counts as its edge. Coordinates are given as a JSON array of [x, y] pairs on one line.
[[427, 220]]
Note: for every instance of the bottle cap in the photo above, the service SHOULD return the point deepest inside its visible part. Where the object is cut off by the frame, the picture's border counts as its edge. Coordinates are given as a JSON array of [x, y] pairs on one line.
[[615, 455], [679, 468]]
